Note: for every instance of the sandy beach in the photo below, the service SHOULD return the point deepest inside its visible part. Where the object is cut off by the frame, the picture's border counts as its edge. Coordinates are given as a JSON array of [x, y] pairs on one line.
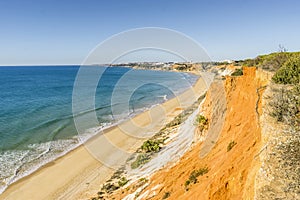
[[79, 174]]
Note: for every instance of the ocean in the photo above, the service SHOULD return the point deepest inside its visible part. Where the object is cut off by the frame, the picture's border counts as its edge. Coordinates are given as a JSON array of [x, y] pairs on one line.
[[36, 116]]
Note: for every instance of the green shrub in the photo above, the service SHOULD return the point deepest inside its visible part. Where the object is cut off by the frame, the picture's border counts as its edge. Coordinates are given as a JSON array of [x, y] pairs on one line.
[[151, 146], [237, 72], [231, 145], [270, 62], [289, 73], [285, 106], [109, 187], [201, 122], [140, 160], [141, 182], [177, 121], [166, 195], [123, 181], [187, 182], [194, 175]]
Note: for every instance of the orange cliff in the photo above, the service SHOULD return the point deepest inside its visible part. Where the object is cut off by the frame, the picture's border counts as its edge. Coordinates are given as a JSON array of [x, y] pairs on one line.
[[233, 107]]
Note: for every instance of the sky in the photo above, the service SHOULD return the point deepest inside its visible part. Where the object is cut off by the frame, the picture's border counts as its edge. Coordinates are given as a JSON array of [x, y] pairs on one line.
[[34, 32]]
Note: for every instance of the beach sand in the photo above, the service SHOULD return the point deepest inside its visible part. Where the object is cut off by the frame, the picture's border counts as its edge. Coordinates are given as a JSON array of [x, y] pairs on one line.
[[79, 174]]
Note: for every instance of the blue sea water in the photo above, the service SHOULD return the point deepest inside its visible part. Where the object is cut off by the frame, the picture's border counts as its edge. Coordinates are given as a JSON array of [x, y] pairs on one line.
[[36, 116]]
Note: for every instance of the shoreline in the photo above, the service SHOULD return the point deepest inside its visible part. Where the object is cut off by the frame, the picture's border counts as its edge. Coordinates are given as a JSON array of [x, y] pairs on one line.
[[78, 165], [60, 148]]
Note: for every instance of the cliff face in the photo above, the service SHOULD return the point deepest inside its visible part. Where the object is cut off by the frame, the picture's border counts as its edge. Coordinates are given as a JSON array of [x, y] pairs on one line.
[[230, 155], [224, 160]]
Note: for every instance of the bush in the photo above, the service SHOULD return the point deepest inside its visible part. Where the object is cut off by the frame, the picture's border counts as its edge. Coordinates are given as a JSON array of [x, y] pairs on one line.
[[110, 187], [151, 146], [289, 73], [123, 181], [271, 62], [201, 122], [141, 182], [285, 106], [187, 182], [177, 121], [231, 145], [237, 72], [140, 160], [166, 195], [194, 175]]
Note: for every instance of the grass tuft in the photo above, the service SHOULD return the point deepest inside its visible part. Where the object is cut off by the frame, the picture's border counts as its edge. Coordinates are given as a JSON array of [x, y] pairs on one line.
[[231, 145]]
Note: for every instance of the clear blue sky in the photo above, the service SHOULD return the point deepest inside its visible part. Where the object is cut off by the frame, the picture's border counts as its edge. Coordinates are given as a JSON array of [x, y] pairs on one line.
[[65, 31]]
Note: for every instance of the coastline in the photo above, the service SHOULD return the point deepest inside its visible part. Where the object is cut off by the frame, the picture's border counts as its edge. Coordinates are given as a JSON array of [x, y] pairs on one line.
[[79, 171]]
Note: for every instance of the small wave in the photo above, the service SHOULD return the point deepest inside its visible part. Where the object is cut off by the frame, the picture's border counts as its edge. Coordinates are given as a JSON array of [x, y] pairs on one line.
[[44, 124], [16, 164], [93, 110], [139, 98], [30, 160], [56, 131], [164, 97], [67, 117]]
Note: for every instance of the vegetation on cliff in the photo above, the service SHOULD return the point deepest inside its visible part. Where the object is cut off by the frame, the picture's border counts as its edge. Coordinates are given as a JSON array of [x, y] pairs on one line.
[[237, 72], [289, 73], [270, 62], [231, 145], [286, 101], [285, 106], [193, 178], [282, 161], [201, 122]]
